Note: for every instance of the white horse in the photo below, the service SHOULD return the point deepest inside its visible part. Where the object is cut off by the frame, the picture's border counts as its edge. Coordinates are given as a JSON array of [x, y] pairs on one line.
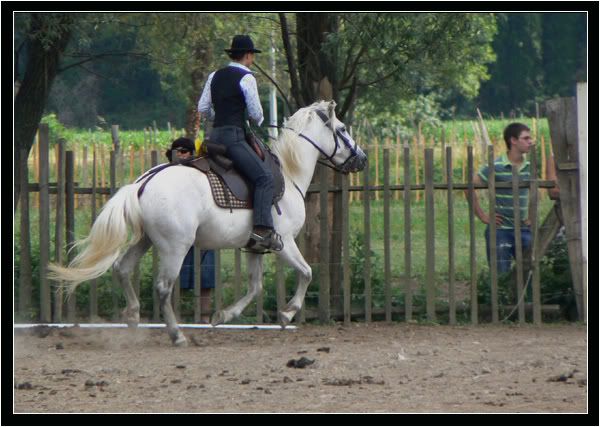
[[177, 209]]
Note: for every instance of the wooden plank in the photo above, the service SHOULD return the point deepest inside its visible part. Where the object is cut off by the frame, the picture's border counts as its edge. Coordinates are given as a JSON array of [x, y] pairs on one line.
[[155, 297], [346, 249], [518, 246], [429, 236], [58, 237], [582, 155], [237, 285], [367, 244], [70, 226], [563, 122], [535, 263], [113, 190], [451, 258], [407, 240], [492, 230], [94, 283], [197, 283], [324, 307], [25, 278], [301, 316], [387, 235], [280, 284], [472, 246], [44, 175]]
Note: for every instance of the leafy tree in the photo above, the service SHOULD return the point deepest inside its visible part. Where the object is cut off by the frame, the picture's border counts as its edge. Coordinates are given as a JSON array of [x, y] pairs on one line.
[[40, 44]]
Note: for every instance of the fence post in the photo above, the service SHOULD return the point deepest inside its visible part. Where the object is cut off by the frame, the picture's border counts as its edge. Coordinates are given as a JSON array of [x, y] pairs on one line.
[[94, 282], [155, 298], [324, 250], [387, 235], [472, 255], [70, 225], [451, 272], [44, 175], [25, 240], [492, 231], [429, 236], [197, 283], [346, 251], [58, 241], [407, 239], [518, 243], [535, 263], [367, 243], [113, 189], [301, 239], [280, 284]]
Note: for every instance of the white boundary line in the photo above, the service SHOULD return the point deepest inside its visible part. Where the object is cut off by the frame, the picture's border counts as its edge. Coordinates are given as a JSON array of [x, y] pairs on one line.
[[149, 325]]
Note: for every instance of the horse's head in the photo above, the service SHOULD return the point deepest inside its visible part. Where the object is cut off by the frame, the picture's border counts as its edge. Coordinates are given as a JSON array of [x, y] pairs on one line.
[[330, 136]]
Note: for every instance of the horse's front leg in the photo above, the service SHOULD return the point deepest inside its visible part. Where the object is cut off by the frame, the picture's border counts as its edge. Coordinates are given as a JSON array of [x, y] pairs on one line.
[[292, 255], [255, 270]]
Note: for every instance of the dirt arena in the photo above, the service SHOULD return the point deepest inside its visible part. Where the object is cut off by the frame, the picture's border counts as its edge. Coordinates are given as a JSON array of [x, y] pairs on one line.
[[362, 368]]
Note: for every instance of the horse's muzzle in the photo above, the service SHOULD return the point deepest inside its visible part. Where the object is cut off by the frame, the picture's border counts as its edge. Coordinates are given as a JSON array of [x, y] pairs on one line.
[[356, 163]]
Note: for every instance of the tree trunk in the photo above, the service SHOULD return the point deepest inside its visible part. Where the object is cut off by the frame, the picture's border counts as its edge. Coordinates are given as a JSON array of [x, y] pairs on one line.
[[202, 55], [318, 81], [40, 71]]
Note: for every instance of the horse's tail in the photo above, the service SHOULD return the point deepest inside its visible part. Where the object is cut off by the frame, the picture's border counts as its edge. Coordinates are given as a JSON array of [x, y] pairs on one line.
[[107, 238]]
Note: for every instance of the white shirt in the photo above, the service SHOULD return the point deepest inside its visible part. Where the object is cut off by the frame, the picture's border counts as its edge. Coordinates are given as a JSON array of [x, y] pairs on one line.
[[249, 89]]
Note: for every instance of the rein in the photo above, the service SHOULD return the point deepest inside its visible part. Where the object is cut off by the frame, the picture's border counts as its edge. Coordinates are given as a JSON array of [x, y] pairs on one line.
[[336, 133]]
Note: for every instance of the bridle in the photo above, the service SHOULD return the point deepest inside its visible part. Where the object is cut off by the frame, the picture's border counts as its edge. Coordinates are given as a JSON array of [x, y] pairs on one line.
[[337, 135]]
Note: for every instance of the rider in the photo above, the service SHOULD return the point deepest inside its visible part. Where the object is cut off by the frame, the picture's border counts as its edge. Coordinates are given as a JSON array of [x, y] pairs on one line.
[[232, 91]]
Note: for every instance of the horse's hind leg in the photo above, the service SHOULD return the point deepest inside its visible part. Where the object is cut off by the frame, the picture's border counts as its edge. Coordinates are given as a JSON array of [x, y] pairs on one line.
[[170, 264], [255, 270], [123, 269], [292, 255]]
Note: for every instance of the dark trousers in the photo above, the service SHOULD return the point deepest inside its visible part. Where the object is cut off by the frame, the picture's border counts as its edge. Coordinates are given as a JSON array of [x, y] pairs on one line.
[[252, 167], [207, 270]]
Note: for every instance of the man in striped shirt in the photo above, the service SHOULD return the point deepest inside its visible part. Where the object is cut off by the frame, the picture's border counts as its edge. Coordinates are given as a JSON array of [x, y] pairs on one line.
[[518, 143]]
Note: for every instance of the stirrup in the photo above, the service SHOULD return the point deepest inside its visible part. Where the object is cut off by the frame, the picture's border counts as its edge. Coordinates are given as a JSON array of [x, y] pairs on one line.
[[262, 244]]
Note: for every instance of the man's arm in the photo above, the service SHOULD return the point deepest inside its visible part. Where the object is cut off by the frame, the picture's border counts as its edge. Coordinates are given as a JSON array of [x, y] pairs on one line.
[[484, 217], [250, 90], [205, 102]]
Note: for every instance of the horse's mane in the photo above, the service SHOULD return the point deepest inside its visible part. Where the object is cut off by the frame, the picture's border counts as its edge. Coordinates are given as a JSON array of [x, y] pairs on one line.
[[286, 145]]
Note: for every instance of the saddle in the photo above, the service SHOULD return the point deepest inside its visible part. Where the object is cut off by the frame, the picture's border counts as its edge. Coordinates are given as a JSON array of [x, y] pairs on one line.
[[231, 189]]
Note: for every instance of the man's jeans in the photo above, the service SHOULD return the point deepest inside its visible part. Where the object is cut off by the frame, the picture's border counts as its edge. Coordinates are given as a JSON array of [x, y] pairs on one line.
[[252, 167], [505, 246]]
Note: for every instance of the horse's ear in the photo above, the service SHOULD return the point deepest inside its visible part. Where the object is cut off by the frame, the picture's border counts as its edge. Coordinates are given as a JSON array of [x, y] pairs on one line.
[[331, 109]]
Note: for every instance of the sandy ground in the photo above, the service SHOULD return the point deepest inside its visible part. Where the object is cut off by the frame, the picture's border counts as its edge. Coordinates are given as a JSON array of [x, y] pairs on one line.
[[362, 368]]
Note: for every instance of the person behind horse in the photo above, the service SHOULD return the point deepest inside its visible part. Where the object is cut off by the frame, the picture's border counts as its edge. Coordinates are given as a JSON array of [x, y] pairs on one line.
[[228, 95], [184, 149], [517, 137]]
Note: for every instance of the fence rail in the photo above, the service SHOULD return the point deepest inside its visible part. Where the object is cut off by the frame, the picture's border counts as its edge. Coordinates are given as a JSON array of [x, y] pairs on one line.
[[67, 196]]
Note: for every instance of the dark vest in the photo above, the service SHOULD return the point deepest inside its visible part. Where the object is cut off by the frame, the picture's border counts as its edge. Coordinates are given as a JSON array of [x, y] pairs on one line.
[[227, 97]]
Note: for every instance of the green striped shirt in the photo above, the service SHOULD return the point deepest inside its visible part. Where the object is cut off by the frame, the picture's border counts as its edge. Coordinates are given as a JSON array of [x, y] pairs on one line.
[[504, 196]]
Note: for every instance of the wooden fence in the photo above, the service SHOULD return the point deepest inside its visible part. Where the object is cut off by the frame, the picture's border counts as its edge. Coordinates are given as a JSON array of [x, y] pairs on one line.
[[356, 189]]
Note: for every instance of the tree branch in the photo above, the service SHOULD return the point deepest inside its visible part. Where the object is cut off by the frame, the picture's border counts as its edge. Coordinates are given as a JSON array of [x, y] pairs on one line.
[[100, 55], [276, 85], [285, 36]]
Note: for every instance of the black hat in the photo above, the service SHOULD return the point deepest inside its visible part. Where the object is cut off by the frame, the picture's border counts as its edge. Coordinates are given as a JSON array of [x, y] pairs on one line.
[[242, 43], [181, 144]]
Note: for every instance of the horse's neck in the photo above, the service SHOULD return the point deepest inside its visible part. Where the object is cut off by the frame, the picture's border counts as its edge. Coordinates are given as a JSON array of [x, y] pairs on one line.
[[309, 156]]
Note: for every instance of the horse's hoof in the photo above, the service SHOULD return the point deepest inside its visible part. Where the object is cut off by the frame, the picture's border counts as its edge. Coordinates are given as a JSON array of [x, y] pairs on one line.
[[285, 318], [218, 318], [181, 341]]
